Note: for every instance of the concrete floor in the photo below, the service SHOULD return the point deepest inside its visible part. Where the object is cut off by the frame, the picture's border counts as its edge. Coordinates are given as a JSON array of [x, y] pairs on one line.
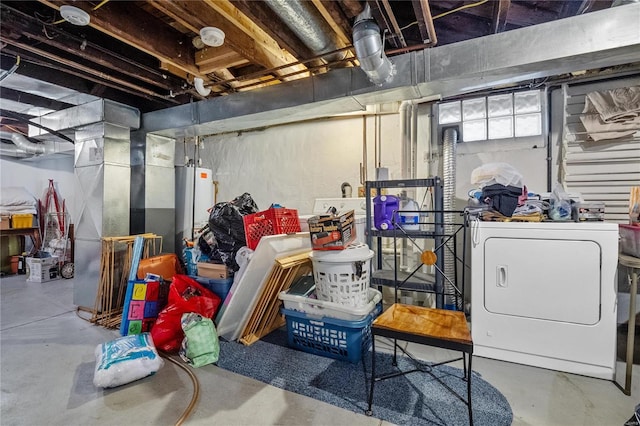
[[47, 362]]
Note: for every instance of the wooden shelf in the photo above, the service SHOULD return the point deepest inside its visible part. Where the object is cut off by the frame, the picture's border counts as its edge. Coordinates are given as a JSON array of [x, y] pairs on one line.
[[34, 233]]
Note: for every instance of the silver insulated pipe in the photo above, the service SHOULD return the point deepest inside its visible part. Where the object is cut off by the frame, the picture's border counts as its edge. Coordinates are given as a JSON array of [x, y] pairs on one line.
[[311, 28], [370, 49], [449, 141], [24, 144]]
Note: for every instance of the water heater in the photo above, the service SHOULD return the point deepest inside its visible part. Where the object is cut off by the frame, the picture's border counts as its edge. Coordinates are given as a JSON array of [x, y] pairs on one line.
[[194, 198]]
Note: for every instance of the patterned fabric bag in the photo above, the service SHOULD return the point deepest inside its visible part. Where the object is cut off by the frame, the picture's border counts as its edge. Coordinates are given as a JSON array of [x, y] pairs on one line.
[[200, 345]]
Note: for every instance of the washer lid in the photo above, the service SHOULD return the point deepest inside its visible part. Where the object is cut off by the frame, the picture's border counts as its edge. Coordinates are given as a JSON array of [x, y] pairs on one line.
[[353, 253]]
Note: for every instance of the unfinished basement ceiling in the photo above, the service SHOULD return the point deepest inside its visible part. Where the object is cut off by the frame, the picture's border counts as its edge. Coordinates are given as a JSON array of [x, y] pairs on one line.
[[146, 54]]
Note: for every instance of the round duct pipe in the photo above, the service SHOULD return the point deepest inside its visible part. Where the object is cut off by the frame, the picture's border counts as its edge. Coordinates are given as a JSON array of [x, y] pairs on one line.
[[449, 144], [310, 27], [370, 49], [25, 144]]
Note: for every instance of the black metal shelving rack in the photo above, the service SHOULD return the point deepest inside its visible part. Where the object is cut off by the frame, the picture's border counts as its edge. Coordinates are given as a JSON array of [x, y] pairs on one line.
[[415, 281]]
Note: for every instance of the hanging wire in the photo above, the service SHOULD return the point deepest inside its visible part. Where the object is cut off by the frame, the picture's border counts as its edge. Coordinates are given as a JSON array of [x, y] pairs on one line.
[[466, 6]]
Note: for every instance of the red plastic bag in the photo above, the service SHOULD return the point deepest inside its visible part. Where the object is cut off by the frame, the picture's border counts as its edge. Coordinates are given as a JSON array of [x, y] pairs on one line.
[[185, 295]]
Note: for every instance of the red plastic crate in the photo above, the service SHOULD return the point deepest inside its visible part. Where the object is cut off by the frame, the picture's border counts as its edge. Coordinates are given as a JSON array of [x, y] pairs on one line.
[[270, 222]]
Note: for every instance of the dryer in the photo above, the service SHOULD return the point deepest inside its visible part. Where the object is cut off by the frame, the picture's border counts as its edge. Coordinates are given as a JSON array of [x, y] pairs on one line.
[[544, 294]]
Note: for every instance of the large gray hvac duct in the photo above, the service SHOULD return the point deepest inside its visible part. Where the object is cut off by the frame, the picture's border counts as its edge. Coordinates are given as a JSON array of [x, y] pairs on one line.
[[370, 49]]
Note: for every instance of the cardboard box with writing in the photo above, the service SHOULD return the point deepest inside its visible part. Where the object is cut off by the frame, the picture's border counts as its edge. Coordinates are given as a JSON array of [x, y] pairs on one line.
[[41, 270], [332, 232]]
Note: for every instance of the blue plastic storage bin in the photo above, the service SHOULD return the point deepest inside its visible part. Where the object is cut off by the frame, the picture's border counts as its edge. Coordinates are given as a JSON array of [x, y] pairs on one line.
[[331, 337], [220, 287]]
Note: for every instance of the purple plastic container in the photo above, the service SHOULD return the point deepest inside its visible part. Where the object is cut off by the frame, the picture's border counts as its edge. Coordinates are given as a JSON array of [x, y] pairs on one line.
[[383, 208]]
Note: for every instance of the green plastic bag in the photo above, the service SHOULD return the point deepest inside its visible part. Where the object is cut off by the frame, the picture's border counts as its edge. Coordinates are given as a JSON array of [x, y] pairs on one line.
[[200, 345]]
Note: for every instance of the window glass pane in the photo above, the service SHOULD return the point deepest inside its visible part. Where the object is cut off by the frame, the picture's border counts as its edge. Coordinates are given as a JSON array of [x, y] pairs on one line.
[[500, 105], [529, 124], [473, 109], [501, 127], [449, 113], [474, 130], [525, 102]]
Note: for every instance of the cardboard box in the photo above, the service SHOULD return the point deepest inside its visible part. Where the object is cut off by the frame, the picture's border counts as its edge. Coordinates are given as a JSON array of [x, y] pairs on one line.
[[41, 270], [332, 232], [5, 221], [212, 270]]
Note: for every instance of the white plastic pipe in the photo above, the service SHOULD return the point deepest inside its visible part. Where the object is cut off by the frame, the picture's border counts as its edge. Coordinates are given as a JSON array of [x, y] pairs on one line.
[[199, 85]]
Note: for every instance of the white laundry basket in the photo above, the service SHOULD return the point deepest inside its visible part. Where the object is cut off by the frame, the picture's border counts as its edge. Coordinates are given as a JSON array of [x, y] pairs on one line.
[[343, 276]]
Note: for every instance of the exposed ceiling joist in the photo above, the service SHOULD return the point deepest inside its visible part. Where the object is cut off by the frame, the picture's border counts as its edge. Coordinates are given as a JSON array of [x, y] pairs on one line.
[[212, 59], [500, 11], [140, 30], [146, 53]]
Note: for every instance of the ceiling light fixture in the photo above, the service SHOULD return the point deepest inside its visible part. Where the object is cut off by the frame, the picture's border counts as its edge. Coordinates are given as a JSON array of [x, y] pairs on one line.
[[74, 15], [212, 36]]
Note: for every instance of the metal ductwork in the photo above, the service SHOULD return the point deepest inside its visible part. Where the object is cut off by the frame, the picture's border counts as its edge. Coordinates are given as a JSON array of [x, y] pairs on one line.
[[23, 147], [449, 143], [446, 71], [370, 49], [311, 28], [102, 170]]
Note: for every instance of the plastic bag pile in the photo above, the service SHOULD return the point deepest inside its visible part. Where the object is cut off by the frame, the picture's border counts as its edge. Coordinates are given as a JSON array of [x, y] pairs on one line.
[[225, 235]]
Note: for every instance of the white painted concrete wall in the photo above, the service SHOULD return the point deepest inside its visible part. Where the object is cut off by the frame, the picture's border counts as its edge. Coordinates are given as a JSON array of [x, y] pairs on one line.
[[34, 175], [296, 163]]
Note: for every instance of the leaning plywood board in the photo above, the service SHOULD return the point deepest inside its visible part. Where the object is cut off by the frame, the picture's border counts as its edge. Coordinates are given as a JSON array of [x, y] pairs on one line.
[[243, 295], [266, 316]]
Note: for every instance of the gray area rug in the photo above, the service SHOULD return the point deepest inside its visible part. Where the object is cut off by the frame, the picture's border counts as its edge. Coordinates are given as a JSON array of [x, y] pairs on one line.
[[413, 399]]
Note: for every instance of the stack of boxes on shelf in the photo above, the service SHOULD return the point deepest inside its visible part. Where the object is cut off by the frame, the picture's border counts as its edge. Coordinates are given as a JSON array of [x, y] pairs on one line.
[[331, 314]]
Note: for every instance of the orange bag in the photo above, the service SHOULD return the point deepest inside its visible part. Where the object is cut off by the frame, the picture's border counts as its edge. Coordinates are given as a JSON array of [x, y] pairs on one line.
[[165, 265]]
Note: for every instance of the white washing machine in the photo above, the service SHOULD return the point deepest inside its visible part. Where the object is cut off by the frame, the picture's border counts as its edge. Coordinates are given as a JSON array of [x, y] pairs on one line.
[[544, 294]]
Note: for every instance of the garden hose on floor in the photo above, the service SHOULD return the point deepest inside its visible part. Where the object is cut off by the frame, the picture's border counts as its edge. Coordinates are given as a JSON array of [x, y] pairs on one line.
[[194, 379], [196, 389]]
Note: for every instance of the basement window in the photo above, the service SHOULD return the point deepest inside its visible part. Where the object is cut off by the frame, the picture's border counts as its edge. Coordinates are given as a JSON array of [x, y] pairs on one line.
[[507, 116]]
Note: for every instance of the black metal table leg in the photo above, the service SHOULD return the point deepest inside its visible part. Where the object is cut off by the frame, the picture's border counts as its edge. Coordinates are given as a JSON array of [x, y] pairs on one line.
[[369, 412], [469, 391]]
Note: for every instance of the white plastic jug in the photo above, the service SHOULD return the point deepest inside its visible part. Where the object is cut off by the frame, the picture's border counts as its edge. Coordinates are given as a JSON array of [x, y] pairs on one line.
[[409, 219]]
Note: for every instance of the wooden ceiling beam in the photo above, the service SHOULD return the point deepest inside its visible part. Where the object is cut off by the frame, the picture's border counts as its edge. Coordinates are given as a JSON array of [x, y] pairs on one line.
[[422, 11], [197, 14], [500, 12], [351, 8], [63, 69], [394, 23], [261, 40], [140, 30], [269, 22], [212, 59], [384, 24], [27, 26], [331, 13]]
